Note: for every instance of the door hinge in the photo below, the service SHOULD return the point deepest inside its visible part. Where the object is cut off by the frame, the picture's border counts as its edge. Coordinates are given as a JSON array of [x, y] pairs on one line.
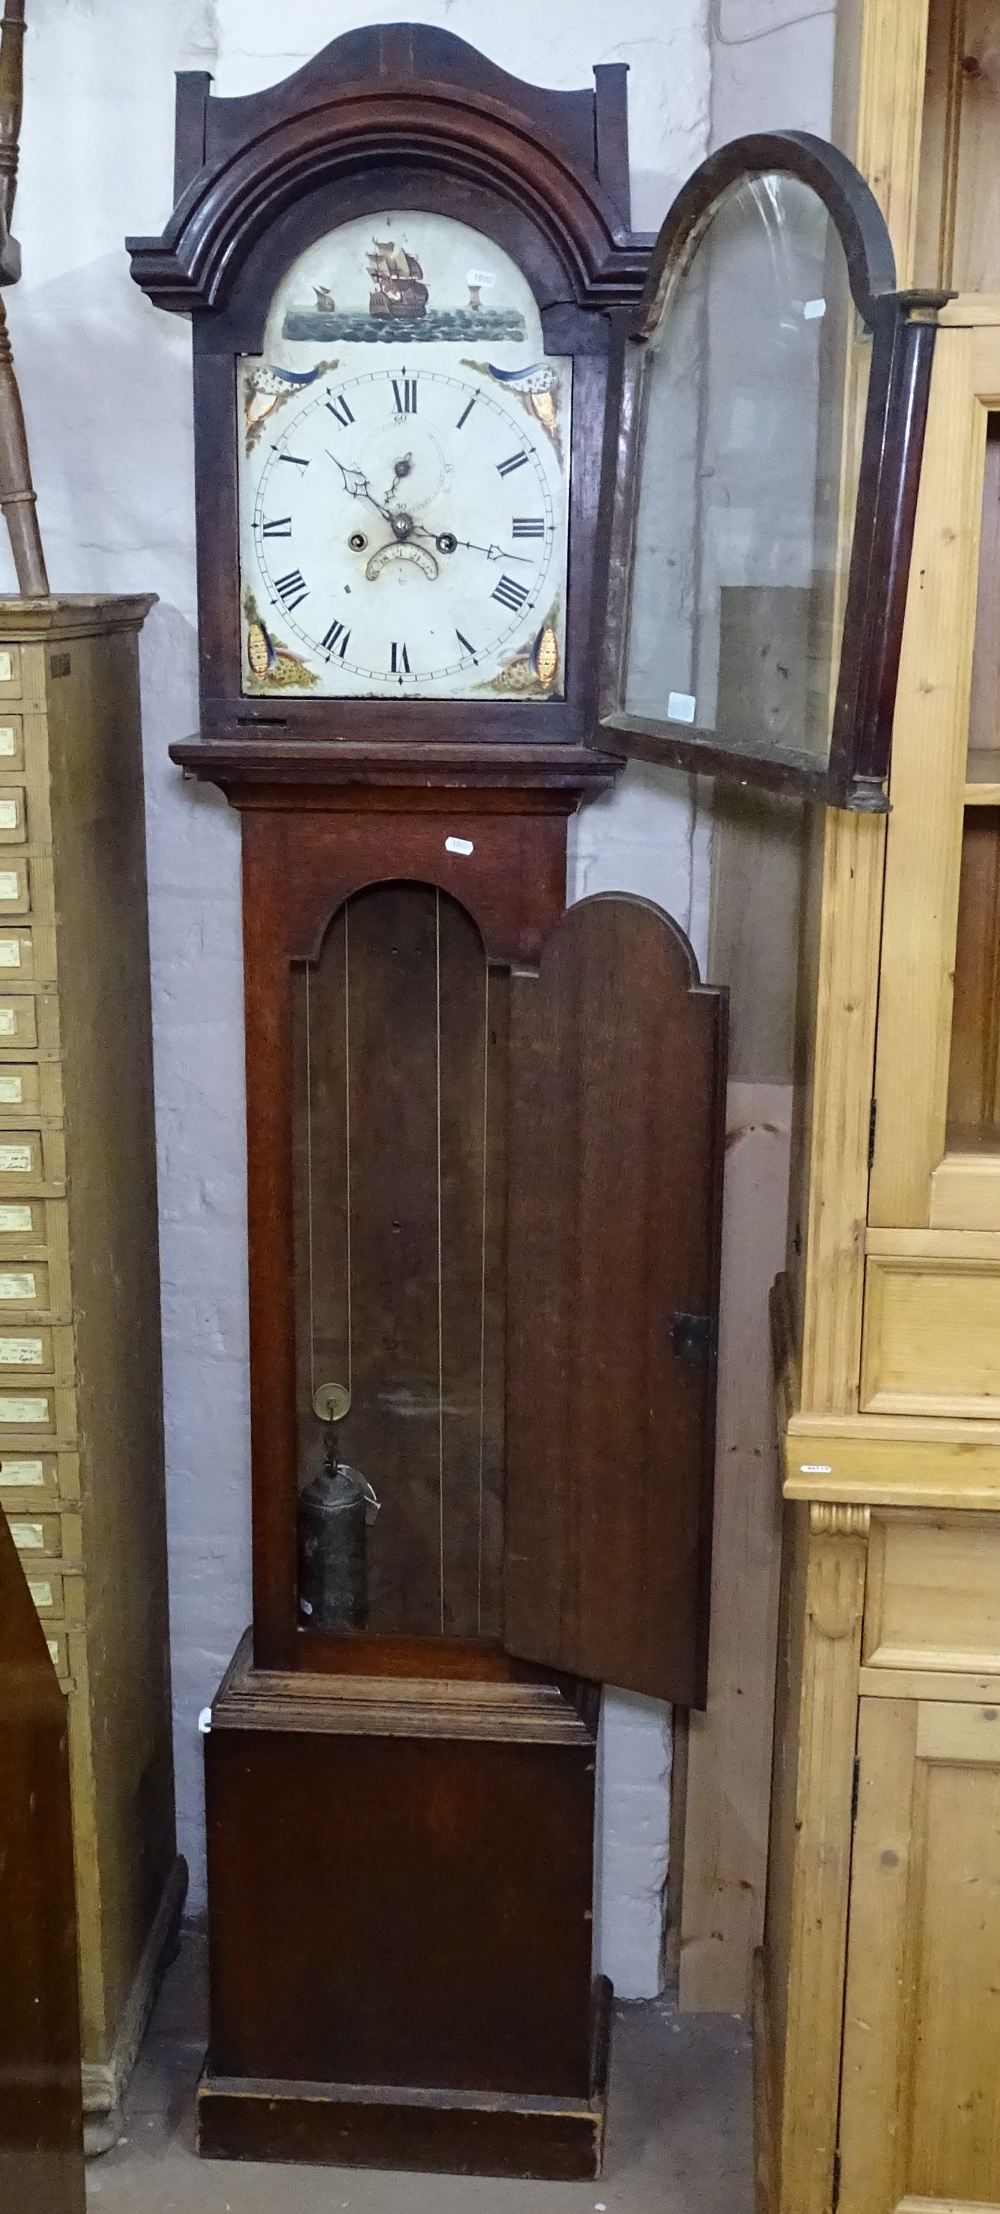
[[872, 1122], [835, 2195], [855, 1790]]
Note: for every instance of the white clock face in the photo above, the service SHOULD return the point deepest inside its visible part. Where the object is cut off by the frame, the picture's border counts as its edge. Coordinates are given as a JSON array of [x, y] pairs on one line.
[[403, 498]]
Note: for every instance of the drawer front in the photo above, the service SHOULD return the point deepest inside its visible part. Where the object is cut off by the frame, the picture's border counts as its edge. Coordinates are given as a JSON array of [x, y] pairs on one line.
[[24, 1285], [11, 673], [46, 1588], [22, 1351], [30, 1411], [12, 678], [41, 1533], [29, 1158], [18, 1020], [20, 1087], [17, 955], [31, 1349], [13, 813], [15, 886], [933, 1593], [931, 1337], [33, 1481], [58, 1644], [11, 739]]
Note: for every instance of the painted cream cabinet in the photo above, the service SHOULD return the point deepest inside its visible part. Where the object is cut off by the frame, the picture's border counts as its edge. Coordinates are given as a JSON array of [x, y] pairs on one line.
[[81, 1444]]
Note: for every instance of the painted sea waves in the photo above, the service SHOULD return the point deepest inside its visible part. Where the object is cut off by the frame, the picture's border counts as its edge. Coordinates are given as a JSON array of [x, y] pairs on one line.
[[321, 326]]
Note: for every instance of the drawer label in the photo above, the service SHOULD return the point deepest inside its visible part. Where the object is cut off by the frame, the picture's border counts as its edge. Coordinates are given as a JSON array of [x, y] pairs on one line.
[[25, 1474], [8, 1022], [23, 1410], [17, 1283], [15, 1160], [8, 738], [21, 1352], [10, 954], [40, 1592], [6, 667], [11, 1090], [8, 814], [14, 1217], [29, 1537], [10, 884], [54, 1654]]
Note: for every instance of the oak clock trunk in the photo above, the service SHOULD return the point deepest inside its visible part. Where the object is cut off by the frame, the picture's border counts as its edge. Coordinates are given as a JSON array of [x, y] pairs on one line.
[[484, 1131]]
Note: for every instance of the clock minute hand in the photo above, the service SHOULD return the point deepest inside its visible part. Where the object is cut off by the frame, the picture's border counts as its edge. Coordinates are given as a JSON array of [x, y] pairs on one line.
[[493, 553]]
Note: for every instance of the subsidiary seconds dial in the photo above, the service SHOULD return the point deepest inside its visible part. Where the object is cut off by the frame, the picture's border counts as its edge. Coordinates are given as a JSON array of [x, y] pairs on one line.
[[408, 534]]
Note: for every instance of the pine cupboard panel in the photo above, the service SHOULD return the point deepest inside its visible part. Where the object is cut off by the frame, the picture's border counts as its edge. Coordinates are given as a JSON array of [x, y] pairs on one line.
[[799, 2001], [965, 1193], [924, 838], [920, 2111], [933, 1595], [931, 1338]]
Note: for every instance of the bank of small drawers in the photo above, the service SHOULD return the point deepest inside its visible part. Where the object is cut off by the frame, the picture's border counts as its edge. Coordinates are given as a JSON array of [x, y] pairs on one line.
[[39, 1462]]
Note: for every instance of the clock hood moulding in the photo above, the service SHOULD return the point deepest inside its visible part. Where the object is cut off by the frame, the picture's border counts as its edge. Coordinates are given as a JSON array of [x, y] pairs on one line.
[[414, 119], [396, 94]]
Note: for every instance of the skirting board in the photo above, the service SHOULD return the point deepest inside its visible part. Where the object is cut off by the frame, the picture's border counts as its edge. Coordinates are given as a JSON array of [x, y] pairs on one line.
[[104, 2082]]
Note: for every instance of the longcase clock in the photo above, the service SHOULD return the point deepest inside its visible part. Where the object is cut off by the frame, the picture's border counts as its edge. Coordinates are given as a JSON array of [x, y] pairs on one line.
[[484, 1133]]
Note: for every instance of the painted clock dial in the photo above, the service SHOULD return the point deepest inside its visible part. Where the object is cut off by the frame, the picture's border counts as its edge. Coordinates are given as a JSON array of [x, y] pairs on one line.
[[404, 474]]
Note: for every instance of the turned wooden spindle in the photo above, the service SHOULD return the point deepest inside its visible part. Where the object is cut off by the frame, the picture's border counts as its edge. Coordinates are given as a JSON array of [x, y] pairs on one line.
[[17, 495]]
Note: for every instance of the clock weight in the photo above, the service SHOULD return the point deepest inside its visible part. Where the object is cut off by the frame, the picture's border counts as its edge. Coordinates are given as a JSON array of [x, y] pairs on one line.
[[335, 1511]]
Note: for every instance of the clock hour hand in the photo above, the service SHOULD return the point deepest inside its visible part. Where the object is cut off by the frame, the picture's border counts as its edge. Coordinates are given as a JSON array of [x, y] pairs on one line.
[[357, 487]]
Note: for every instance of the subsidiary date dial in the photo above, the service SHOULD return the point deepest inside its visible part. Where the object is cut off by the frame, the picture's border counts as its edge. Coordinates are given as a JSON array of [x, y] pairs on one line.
[[405, 535]]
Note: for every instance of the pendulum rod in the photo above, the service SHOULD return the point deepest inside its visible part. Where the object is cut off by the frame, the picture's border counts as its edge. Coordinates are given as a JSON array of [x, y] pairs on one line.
[[309, 1188], [440, 1256], [348, 1288], [482, 1298]]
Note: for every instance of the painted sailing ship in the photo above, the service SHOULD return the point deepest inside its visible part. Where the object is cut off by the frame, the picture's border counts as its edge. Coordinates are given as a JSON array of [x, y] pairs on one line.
[[398, 287]]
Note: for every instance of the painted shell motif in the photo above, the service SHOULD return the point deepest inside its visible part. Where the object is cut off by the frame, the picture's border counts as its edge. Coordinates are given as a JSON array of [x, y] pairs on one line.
[[273, 667], [267, 388], [537, 388], [260, 652], [534, 672]]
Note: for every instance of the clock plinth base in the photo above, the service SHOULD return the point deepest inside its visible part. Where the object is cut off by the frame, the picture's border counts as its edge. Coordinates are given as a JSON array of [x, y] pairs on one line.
[[378, 2126], [400, 1889]]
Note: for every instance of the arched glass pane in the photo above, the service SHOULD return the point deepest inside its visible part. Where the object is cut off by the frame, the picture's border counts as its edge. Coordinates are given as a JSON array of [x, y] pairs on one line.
[[741, 533]]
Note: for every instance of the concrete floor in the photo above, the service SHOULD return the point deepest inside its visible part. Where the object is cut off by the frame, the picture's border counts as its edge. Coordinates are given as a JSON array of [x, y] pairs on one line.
[[678, 2133]]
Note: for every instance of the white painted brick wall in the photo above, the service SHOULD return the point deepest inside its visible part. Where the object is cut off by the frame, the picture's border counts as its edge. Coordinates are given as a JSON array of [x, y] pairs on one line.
[[106, 383]]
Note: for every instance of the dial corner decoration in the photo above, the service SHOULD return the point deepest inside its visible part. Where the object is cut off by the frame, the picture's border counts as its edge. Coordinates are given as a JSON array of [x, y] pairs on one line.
[[404, 474]]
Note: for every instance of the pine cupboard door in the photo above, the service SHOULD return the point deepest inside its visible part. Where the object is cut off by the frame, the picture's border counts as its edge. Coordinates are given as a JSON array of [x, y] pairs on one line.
[[920, 2113]]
